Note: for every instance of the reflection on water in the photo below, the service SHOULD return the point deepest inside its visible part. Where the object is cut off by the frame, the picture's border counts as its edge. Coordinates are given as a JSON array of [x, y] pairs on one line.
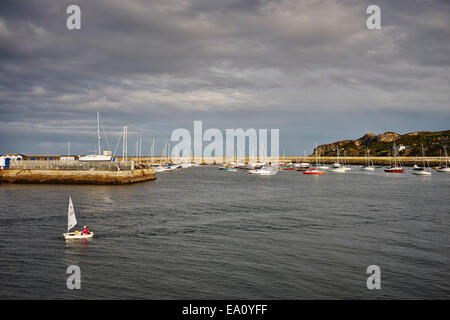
[[203, 233]]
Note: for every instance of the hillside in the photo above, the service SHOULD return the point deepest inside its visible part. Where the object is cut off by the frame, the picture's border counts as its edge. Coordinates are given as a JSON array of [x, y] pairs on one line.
[[409, 144]]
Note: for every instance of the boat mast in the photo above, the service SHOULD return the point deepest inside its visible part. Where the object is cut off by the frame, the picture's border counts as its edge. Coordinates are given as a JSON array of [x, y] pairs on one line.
[[446, 157], [423, 157], [125, 144], [317, 163], [395, 155], [98, 132], [152, 153], [337, 148]]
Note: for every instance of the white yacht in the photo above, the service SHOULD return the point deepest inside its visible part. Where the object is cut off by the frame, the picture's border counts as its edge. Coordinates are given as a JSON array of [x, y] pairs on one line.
[[337, 167], [106, 156], [369, 164], [424, 171], [446, 166]]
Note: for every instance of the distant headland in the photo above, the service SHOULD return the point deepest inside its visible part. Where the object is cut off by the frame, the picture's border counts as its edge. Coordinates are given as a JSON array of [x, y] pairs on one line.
[[381, 145]]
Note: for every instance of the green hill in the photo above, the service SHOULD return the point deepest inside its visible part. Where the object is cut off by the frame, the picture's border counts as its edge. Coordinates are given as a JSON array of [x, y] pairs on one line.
[[409, 145]]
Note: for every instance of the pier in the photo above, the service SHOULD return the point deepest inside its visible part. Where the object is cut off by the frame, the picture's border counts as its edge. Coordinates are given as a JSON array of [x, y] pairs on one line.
[[75, 172]]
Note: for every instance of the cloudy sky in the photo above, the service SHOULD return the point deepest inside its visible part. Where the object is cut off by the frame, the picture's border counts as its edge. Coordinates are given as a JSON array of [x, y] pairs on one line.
[[310, 68]]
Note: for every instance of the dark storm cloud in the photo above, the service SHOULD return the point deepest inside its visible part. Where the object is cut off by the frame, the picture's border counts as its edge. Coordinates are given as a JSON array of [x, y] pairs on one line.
[[158, 65]]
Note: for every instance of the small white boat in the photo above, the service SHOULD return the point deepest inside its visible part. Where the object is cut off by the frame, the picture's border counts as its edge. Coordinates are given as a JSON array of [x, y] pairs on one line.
[[395, 168], [159, 169], [446, 166], [77, 235], [229, 169], [338, 170], [424, 171], [337, 167], [302, 165], [97, 157], [369, 164], [72, 222], [265, 171]]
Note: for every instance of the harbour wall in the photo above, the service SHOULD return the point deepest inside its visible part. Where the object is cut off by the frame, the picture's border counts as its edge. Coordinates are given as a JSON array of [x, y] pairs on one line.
[[99, 177]]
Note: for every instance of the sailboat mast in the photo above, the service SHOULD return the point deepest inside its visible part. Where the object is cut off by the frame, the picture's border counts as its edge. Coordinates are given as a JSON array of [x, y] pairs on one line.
[[98, 132], [395, 155], [153, 150], [316, 155]]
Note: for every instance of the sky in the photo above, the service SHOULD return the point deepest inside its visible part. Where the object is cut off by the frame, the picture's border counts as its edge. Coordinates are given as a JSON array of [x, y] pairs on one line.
[[309, 68]]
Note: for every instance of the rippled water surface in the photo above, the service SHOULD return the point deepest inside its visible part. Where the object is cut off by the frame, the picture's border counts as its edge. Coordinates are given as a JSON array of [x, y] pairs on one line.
[[203, 233]]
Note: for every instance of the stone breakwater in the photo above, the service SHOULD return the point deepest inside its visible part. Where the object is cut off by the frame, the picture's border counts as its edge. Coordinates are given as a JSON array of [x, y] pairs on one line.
[[99, 177]]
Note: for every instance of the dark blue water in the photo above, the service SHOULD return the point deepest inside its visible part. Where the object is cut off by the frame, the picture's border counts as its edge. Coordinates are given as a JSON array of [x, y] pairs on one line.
[[203, 233]]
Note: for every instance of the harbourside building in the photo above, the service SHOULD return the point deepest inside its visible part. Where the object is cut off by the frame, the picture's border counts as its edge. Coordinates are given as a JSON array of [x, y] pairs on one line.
[[6, 160]]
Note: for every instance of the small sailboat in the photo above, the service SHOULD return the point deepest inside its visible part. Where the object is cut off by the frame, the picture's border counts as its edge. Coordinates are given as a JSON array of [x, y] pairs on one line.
[[337, 167], [302, 166], [446, 166], [72, 222], [265, 170], [288, 166], [322, 166], [229, 168], [369, 164], [314, 169], [160, 169], [337, 164], [106, 156], [424, 171], [395, 168]]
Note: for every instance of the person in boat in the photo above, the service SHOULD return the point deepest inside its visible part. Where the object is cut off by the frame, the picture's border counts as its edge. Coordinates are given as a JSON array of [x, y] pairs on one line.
[[85, 230]]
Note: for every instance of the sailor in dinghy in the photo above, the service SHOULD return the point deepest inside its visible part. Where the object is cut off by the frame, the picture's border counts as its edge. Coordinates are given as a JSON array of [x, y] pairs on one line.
[[72, 222]]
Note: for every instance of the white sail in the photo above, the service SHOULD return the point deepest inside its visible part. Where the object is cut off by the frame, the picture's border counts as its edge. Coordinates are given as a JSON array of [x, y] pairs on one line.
[[71, 220]]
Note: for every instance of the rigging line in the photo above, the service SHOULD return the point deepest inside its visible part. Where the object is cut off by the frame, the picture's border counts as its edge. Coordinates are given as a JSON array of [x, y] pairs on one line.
[[152, 147], [118, 141], [104, 133]]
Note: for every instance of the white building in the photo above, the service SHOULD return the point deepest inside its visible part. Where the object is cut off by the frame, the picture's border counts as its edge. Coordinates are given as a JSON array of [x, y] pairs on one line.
[[5, 160]]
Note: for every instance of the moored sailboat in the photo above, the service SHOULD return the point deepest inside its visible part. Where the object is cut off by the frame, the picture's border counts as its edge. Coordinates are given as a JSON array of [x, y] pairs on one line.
[[315, 169], [106, 156], [446, 166], [337, 167], [396, 168], [424, 171], [369, 164]]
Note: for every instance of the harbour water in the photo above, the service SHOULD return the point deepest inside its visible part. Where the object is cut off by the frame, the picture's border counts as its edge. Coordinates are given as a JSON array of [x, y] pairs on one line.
[[202, 233]]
